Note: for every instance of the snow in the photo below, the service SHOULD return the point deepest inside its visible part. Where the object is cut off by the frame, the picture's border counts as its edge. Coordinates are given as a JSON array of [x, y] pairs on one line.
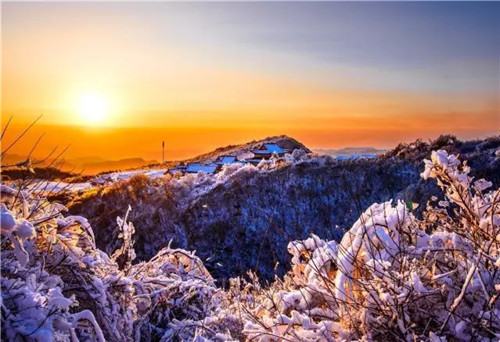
[[395, 273], [356, 156], [482, 184], [254, 160], [53, 187], [6, 190], [124, 175], [46, 187], [25, 229], [391, 274], [7, 220]]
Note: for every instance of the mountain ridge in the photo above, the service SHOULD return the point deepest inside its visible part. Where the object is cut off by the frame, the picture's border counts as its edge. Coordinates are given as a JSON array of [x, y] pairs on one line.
[[349, 151], [244, 217]]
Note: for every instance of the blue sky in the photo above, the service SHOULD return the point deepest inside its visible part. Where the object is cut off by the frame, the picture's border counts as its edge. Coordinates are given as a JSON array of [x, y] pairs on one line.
[[449, 46]]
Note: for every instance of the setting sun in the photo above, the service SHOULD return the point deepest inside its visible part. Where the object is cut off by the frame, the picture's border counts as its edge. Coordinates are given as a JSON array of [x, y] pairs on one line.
[[93, 108]]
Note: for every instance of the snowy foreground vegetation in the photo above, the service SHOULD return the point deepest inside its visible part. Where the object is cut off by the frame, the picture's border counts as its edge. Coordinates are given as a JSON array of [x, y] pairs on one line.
[[391, 277]]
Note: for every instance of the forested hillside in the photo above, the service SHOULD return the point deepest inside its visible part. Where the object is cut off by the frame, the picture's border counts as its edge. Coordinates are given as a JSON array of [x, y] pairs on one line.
[[242, 218], [392, 275]]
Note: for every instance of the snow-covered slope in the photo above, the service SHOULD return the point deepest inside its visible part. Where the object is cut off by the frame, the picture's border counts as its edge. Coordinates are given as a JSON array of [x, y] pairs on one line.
[[243, 217], [392, 276]]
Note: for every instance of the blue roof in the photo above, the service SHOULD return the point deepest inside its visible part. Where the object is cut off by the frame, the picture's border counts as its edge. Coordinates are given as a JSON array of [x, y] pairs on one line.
[[268, 149], [178, 168], [274, 148], [264, 152], [193, 168], [226, 160]]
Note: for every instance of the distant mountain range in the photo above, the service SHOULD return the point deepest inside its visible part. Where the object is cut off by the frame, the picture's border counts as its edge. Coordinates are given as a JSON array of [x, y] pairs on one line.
[[351, 151], [86, 165]]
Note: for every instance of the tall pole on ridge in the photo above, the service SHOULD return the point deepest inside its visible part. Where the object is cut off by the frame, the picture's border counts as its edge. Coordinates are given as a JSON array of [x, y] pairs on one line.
[[163, 152]]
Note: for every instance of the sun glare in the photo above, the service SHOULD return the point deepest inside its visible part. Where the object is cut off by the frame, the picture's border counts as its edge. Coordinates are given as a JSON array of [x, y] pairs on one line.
[[93, 108]]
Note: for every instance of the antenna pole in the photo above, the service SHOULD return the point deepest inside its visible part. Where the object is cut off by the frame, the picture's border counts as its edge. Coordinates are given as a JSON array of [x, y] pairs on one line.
[[163, 152]]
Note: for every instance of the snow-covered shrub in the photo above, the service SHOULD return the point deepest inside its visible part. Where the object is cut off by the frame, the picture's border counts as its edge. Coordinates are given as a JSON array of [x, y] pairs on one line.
[[57, 286], [393, 277]]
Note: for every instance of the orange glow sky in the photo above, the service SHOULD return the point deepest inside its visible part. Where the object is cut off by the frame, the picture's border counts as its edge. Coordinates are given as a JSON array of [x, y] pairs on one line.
[[202, 75]]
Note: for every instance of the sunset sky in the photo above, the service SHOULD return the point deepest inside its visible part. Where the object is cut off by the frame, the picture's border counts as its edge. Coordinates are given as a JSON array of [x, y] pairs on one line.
[[115, 79]]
